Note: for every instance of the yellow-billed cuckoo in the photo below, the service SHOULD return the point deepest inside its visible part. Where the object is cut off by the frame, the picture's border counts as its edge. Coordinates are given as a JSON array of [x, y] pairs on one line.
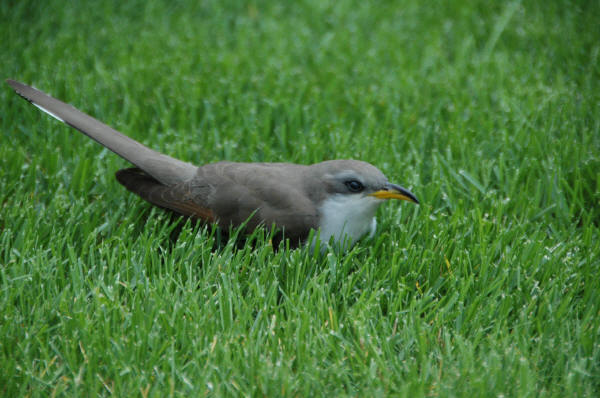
[[338, 198]]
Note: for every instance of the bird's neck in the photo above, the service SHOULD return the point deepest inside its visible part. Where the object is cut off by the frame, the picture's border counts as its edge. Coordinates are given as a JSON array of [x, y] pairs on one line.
[[346, 218]]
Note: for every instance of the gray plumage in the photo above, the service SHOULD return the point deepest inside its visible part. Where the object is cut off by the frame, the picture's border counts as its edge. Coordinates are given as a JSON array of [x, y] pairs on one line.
[[289, 196]]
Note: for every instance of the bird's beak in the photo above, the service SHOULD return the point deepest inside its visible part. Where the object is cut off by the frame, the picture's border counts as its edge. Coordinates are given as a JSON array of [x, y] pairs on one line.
[[393, 191]]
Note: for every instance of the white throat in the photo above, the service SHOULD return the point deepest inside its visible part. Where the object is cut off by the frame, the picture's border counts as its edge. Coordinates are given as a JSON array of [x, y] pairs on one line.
[[347, 218]]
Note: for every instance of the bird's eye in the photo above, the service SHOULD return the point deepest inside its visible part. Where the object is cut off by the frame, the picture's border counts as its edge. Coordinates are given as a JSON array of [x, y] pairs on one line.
[[354, 186]]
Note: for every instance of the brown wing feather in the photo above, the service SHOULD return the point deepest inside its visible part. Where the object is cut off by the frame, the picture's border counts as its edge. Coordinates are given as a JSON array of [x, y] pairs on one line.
[[176, 198]]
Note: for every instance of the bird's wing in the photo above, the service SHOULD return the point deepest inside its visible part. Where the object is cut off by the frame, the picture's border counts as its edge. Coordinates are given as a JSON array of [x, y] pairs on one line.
[[178, 198], [165, 169], [230, 194], [256, 194]]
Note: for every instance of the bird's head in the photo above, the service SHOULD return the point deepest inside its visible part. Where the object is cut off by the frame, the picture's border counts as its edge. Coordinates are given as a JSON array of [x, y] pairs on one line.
[[349, 192], [359, 179]]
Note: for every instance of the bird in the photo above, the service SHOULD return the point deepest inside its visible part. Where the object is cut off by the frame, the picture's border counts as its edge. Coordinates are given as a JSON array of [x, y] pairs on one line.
[[333, 201]]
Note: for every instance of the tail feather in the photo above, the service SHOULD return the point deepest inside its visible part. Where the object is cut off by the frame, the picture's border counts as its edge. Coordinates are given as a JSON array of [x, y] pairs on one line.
[[165, 169]]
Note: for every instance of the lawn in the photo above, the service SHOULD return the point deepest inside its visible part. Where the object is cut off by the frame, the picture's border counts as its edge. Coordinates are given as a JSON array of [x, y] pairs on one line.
[[488, 111]]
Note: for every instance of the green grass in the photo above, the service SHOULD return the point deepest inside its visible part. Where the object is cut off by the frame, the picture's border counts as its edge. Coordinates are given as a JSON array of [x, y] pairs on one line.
[[488, 111]]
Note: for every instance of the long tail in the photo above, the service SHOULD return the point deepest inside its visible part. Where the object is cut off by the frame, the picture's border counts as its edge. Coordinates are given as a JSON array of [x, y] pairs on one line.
[[165, 169]]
